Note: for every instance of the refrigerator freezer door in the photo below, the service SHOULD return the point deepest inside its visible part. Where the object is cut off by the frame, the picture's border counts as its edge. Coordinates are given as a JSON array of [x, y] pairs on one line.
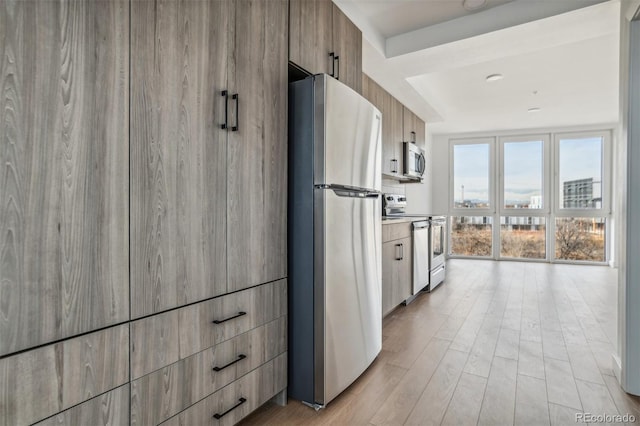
[[352, 277], [349, 138]]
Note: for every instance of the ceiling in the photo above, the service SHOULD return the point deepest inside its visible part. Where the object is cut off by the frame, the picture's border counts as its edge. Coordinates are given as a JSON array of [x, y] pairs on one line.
[[434, 56], [394, 17]]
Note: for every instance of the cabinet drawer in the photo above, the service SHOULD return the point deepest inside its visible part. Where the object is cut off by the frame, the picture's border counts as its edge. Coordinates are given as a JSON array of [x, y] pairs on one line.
[[396, 231], [163, 339], [163, 393], [245, 394], [42, 382], [111, 408]]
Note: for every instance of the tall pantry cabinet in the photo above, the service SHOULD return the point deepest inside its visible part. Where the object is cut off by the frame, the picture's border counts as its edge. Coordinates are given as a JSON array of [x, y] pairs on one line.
[[143, 216]]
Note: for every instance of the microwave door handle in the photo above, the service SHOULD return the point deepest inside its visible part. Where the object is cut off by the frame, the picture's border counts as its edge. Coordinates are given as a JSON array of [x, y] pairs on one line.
[[423, 162]]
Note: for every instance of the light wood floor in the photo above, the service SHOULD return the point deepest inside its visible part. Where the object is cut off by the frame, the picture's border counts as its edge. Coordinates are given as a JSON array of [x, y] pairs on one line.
[[499, 343]]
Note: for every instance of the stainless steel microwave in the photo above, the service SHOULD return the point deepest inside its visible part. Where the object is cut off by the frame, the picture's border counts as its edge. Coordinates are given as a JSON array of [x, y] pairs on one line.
[[414, 161]]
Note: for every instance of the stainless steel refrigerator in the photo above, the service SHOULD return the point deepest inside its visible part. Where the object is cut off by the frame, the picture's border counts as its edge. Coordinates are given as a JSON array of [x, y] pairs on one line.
[[334, 237]]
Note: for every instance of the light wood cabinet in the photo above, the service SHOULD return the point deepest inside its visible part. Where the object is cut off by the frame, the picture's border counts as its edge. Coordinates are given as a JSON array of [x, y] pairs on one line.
[[257, 152], [163, 339], [397, 265], [178, 153], [166, 392], [322, 39], [311, 35], [392, 125], [208, 149], [347, 44], [234, 402], [42, 382], [111, 408], [413, 128], [64, 185]]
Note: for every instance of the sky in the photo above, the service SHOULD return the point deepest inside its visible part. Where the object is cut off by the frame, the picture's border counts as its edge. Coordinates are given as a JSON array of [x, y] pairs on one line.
[[579, 158]]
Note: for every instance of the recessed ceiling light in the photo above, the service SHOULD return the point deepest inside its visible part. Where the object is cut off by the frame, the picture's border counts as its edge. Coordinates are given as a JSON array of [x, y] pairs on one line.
[[473, 4], [534, 109], [495, 77]]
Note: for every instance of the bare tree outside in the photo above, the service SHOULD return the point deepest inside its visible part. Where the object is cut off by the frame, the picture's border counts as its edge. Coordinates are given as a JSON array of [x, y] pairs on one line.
[[471, 236], [580, 239]]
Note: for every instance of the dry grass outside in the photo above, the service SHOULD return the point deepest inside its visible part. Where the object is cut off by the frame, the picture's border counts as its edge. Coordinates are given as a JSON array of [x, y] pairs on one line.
[[576, 239]]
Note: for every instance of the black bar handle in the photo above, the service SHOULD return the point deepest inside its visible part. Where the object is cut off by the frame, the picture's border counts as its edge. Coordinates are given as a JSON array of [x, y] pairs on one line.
[[226, 109], [230, 318], [395, 168], [332, 55], [338, 68], [401, 254], [240, 358], [237, 99], [218, 416], [414, 136]]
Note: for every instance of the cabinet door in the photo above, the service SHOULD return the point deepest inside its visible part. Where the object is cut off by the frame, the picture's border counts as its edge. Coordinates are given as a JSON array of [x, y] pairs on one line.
[[396, 273], [420, 133], [311, 35], [178, 153], [257, 156], [409, 127], [64, 182], [396, 132], [347, 44]]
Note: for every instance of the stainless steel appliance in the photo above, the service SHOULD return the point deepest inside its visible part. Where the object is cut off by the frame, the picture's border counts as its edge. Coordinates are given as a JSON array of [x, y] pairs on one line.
[[335, 241], [414, 161], [437, 237], [393, 204], [429, 236]]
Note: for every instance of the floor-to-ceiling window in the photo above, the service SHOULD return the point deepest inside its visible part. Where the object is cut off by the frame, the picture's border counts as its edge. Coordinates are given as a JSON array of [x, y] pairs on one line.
[[523, 206], [537, 197], [472, 198]]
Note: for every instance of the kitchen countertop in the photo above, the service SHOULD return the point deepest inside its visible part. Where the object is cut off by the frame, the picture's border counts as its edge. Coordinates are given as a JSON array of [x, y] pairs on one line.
[[392, 220]]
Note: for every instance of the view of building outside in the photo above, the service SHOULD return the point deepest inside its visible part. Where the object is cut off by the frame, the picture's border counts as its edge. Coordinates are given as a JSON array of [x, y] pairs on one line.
[[523, 166], [471, 175], [579, 171]]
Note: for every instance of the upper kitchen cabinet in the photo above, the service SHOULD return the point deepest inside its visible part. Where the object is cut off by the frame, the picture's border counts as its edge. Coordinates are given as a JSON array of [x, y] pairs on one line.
[[414, 130], [257, 151], [392, 125], [179, 163], [323, 40], [65, 181], [311, 35], [347, 44], [208, 149]]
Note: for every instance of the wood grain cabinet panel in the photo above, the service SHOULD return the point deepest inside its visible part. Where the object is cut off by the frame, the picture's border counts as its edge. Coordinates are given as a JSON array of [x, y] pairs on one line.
[[64, 77], [395, 231], [257, 159], [322, 39], [183, 332], [396, 273], [347, 42], [395, 113], [178, 153], [414, 128], [111, 408], [42, 382], [163, 393], [311, 35], [245, 394]]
